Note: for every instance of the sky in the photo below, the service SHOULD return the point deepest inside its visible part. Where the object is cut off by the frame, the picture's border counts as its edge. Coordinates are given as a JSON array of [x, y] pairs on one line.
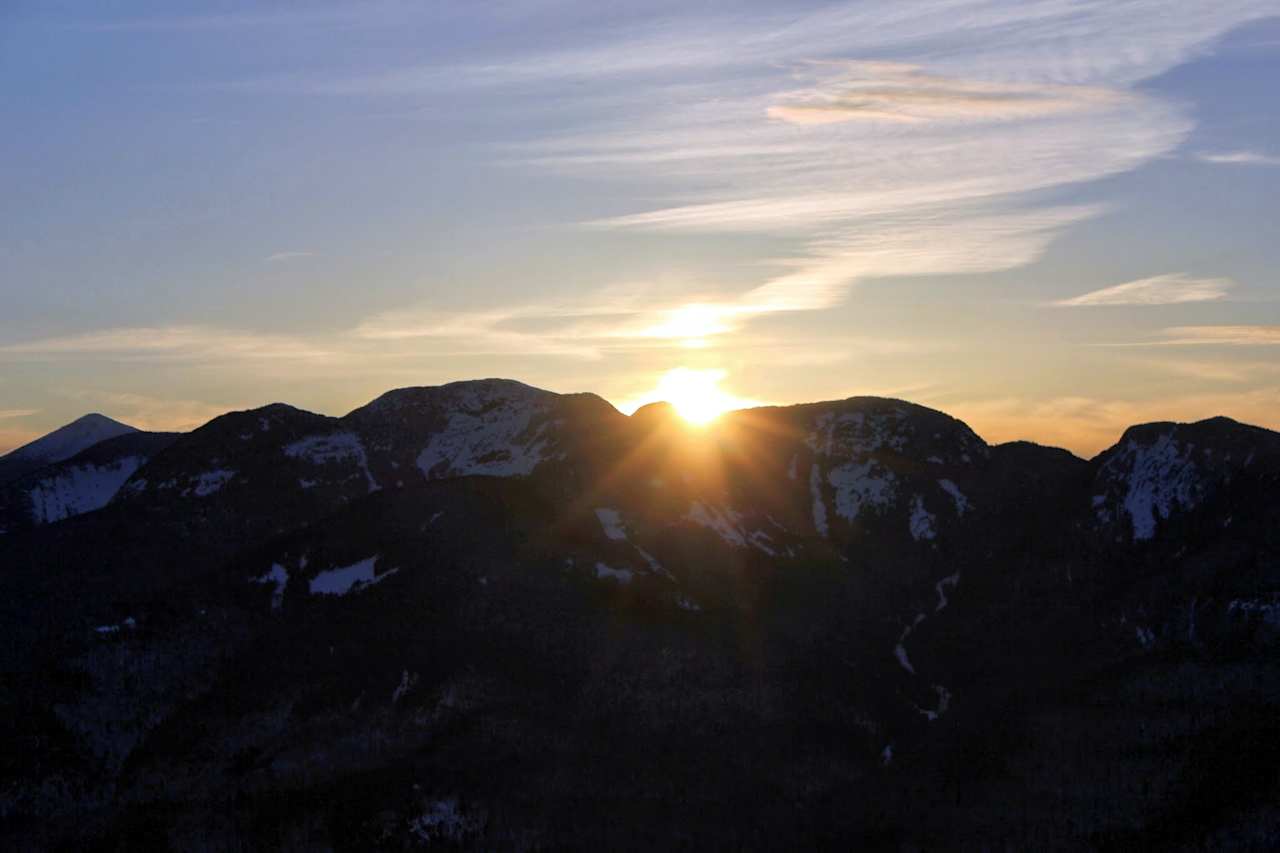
[[1049, 218]]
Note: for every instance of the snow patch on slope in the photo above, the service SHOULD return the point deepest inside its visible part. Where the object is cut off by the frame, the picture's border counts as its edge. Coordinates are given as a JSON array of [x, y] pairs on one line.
[[922, 523], [763, 541], [620, 575], [278, 576], [209, 482], [962, 502], [1266, 610], [728, 525], [723, 522], [856, 434], [334, 448], [81, 489], [654, 564], [616, 531], [443, 823], [944, 702], [611, 522], [407, 683], [493, 431], [900, 650], [1156, 479], [860, 485], [345, 579], [941, 588], [128, 624], [819, 503]]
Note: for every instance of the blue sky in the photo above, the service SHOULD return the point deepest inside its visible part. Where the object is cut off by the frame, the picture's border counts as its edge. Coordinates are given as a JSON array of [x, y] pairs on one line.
[[1050, 218]]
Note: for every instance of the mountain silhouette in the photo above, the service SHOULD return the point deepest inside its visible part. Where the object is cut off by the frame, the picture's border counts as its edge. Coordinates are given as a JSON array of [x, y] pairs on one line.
[[490, 616]]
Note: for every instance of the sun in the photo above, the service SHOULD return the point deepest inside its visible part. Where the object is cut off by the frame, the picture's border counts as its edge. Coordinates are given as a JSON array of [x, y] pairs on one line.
[[696, 394]]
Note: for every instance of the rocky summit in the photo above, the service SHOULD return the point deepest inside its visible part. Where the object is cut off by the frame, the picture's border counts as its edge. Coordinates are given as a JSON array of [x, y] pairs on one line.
[[487, 616]]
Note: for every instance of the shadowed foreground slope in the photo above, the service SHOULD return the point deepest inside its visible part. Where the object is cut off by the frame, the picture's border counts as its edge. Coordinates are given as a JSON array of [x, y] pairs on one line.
[[491, 617]]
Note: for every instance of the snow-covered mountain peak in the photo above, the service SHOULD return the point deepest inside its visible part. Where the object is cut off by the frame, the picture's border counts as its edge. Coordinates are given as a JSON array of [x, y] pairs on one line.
[[494, 427], [1159, 469], [862, 426], [467, 395]]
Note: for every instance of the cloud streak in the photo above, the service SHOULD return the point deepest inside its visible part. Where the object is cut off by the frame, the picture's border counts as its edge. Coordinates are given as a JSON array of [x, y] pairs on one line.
[[1172, 289], [899, 92], [473, 333], [885, 138], [172, 342], [892, 166], [1240, 158], [1233, 336], [1216, 371]]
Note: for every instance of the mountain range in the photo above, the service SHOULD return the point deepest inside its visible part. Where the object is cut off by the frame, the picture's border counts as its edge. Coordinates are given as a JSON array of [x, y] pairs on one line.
[[487, 616]]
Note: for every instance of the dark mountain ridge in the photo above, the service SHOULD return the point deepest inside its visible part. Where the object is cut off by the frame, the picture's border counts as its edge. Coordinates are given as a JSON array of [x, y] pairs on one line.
[[489, 616]]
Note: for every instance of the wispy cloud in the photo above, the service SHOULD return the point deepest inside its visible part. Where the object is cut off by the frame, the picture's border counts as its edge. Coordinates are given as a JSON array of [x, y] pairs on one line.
[[1215, 371], [8, 414], [472, 333], [893, 167], [900, 92], [879, 139], [608, 320], [172, 342], [1058, 40], [1240, 158], [1222, 336], [886, 138], [1158, 290]]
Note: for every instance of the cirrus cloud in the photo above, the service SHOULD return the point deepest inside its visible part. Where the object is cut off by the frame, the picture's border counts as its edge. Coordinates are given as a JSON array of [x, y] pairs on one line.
[[1224, 335], [1171, 289], [171, 342], [901, 92], [1240, 158]]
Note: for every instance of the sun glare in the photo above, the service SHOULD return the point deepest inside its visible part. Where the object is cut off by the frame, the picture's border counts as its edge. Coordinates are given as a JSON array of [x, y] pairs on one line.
[[691, 324], [696, 394]]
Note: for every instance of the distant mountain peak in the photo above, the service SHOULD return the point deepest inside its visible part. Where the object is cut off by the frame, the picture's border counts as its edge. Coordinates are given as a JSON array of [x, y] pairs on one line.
[[97, 418], [68, 440], [61, 444]]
